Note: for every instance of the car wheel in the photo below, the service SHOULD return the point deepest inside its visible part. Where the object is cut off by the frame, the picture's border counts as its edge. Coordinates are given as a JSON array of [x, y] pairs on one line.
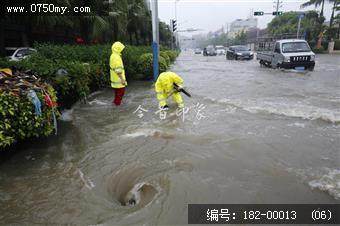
[[262, 63]]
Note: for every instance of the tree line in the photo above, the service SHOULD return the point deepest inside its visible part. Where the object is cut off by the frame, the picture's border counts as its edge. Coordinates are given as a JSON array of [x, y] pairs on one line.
[[312, 26]]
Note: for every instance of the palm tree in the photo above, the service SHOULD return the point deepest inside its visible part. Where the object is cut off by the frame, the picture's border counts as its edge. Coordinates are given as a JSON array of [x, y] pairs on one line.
[[337, 17], [336, 4], [91, 25], [134, 15], [122, 20], [317, 3]]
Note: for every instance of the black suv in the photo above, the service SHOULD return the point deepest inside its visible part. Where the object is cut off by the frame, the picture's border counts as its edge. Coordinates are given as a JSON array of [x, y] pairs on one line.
[[239, 53]]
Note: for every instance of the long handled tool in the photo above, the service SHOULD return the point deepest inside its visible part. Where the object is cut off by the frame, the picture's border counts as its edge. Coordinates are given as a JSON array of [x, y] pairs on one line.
[[179, 89]]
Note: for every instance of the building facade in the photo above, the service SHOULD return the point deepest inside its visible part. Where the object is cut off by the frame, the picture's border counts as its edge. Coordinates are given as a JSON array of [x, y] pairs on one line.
[[239, 25]]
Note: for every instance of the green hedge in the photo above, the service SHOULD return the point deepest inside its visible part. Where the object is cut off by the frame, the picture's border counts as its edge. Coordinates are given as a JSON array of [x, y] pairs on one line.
[[145, 65], [18, 120], [319, 50], [166, 57], [98, 54], [172, 55]]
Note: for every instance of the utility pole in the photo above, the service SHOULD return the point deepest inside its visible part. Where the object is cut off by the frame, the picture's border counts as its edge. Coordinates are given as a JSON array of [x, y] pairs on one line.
[[277, 6], [300, 15], [155, 38]]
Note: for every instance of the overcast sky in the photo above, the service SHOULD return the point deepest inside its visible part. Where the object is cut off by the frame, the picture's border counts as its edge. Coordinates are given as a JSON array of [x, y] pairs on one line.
[[210, 15]]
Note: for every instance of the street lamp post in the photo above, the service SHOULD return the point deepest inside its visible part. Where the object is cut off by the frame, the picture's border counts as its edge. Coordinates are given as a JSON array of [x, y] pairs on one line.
[[155, 38]]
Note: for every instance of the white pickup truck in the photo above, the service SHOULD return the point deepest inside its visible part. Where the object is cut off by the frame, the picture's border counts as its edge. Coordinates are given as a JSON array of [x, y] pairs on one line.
[[288, 54]]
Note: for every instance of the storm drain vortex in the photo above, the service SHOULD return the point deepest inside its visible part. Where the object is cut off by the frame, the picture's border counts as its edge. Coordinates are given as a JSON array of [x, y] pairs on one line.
[[134, 187], [140, 194]]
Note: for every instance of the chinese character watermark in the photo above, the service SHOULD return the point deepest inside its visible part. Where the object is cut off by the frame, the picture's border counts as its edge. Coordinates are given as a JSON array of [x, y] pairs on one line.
[[162, 113], [198, 108], [140, 111], [182, 111], [216, 215], [212, 215]]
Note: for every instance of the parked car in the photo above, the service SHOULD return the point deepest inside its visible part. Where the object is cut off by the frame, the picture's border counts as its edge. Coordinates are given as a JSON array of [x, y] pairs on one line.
[[16, 54], [198, 51], [220, 50], [209, 51], [239, 53], [288, 54]]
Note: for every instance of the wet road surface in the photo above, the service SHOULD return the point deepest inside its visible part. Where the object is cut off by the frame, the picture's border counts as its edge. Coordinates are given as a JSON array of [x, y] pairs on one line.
[[249, 134]]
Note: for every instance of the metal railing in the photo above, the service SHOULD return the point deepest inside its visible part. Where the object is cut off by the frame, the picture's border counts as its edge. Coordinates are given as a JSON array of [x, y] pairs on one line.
[[267, 42]]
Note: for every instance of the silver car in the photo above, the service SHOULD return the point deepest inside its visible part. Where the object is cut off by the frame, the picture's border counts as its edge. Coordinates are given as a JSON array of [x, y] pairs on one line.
[[16, 54]]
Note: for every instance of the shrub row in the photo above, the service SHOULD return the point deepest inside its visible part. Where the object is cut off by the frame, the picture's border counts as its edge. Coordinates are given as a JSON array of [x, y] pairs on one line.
[[318, 50], [87, 67], [145, 62], [100, 54]]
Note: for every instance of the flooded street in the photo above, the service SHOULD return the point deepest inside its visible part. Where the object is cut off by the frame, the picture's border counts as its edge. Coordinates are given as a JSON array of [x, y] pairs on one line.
[[249, 134]]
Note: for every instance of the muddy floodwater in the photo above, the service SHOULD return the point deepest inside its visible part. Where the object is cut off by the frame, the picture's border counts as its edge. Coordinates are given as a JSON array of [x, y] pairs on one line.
[[249, 134]]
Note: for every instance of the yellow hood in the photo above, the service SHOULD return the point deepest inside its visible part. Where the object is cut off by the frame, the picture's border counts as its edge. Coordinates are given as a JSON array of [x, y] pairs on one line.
[[117, 47]]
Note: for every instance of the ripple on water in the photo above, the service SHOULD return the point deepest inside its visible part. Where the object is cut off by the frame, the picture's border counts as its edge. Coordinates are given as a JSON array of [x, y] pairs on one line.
[[325, 179], [277, 107]]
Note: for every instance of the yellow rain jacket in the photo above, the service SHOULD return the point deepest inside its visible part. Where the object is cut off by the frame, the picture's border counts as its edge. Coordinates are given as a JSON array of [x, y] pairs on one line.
[[116, 65], [164, 87]]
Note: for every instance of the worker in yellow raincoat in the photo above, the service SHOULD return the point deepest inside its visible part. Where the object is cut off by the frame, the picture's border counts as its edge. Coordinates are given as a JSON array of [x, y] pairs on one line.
[[117, 72], [166, 86]]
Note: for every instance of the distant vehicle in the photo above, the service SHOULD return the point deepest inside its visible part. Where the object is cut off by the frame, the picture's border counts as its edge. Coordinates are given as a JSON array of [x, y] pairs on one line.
[[288, 54], [17, 54], [239, 53], [220, 50], [198, 51], [209, 51]]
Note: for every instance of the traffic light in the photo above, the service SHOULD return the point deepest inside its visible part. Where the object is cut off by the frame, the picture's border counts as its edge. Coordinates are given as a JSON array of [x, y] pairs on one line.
[[258, 13], [174, 25], [278, 13]]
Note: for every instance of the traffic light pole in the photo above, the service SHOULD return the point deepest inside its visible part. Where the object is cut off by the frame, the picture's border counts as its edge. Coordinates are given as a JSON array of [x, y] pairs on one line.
[[173, 24], [172, 35], [155, 38]]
